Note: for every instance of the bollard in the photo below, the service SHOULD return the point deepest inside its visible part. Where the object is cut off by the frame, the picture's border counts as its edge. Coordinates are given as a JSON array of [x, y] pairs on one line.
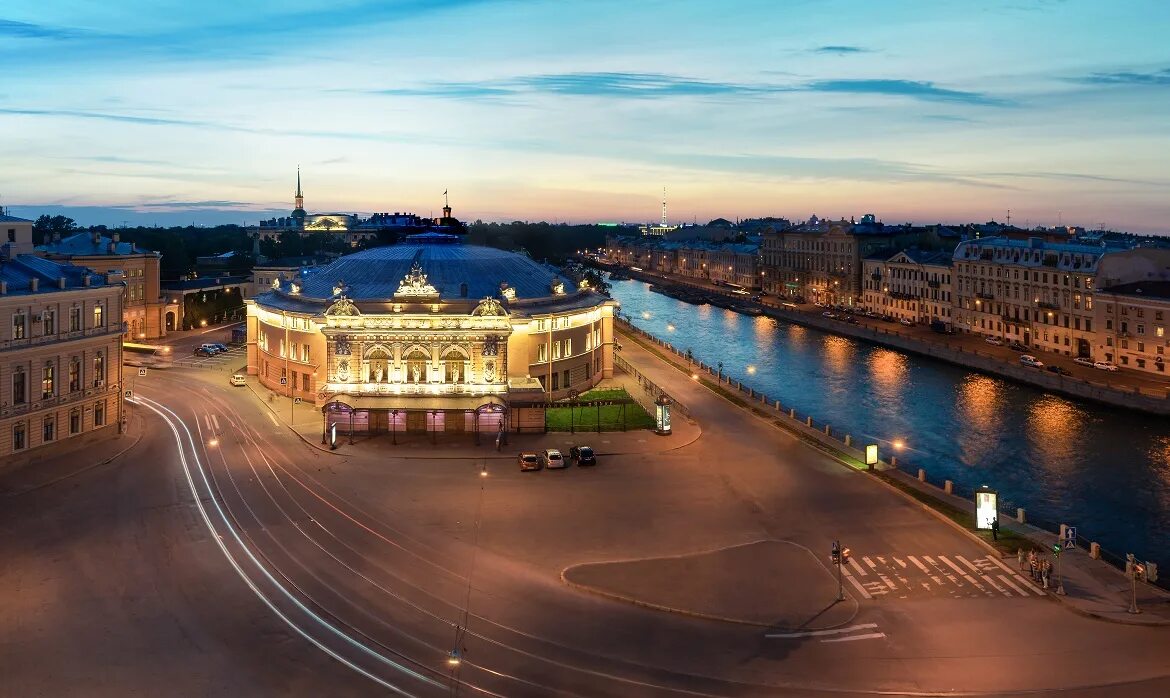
[[827, 432], [792, 413], [1020, 514], [848, 440], [751, 392], [1095, 551], [948, 487], [1063, 531], [921, 475], [777, 405], [808, 421]]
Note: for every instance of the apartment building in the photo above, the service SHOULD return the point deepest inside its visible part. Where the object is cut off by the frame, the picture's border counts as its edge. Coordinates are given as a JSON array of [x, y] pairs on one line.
[[912, 285], [1038, 293], [702, 260], [145, 312], [1133, 309], [60, 346]]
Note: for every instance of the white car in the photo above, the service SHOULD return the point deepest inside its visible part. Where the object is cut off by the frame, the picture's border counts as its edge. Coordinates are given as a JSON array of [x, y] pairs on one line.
[[1105, 366], [996, 341], [237, 380], [1083, 360], [1029, 360], [553, 459], [907, 323]]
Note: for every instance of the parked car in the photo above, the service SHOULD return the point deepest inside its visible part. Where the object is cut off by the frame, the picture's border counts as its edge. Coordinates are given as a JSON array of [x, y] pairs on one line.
[[1016, 346], [552, 459], [907, 323], [583, 455], [220, 347], [237, 380], [529, 461], [831, 316], [1105, 366], [212, 348], [996, 341], [204, 351], [1029, 360], [1083, 361], [1059, 370]]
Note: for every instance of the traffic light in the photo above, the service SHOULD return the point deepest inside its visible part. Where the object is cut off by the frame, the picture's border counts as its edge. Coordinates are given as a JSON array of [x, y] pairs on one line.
[[836, 555], [1139, 571], [1056, 548], [844, 555]]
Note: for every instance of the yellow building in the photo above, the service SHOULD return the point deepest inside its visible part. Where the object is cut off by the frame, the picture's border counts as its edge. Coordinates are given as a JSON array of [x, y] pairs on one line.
[[60, 343], [429, 335]]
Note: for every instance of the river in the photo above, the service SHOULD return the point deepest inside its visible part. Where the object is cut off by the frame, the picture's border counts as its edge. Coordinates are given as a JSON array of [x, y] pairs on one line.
[[1102, 469]]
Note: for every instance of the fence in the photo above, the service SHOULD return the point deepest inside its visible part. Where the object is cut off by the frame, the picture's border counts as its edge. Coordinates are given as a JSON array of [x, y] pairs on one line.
[[649, 389]]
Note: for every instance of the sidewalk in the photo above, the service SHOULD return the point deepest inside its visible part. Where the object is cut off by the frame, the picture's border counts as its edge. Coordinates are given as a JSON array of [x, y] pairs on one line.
[[306, 421], [1093, 587], [57, 464]]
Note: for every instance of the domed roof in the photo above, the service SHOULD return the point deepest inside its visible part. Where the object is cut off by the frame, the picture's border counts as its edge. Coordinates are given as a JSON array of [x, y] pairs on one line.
[[376, 274]]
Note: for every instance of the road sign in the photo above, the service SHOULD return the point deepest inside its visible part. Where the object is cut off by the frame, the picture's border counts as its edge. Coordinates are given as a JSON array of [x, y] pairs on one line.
[[296, 401], [1070, 537], [129, 394], [283, 380], [142, 371]]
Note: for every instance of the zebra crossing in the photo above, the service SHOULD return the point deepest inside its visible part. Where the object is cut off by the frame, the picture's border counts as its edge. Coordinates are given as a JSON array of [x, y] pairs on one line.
[[909, 576]]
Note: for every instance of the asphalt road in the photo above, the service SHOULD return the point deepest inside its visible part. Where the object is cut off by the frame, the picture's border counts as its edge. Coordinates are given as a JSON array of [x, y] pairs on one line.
[[350, 575]]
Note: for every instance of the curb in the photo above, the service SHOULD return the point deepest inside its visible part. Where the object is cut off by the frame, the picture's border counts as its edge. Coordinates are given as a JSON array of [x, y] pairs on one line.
[[696, 614], [289, 426], [119, 454]]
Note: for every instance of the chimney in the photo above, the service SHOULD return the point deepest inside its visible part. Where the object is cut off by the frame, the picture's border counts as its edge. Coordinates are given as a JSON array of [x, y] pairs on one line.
[[33, 283], [85, 280], [110, 247], [117, 237], [96, 237], [60, 282], [3, 288]]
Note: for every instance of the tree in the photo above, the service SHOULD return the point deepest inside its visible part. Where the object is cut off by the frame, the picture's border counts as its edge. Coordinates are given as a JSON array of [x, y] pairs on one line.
[[45, 226]]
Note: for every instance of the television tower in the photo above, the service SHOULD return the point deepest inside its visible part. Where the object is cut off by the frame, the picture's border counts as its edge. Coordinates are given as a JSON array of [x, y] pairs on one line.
[[664, 207]]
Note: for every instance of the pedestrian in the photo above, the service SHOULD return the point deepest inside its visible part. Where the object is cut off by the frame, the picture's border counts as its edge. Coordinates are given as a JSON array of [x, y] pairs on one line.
[[1020, 558], [497, 442], [995, 528]]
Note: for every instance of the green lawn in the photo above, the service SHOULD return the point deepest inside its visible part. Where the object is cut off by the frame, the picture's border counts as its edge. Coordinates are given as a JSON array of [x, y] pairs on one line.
[[585, 418]]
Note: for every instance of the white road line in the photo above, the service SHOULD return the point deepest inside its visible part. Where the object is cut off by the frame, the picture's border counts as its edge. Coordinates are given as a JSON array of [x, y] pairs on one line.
[[207, 421], [979, 573], [860, 589], [215, 421], [273, 418], [851, 638], [917, 564], [903, 564], [1019, 591], [998, 588], [887, 582], [1019, 577], [818, 633], [870, 563], [963, 574], [860, 570]]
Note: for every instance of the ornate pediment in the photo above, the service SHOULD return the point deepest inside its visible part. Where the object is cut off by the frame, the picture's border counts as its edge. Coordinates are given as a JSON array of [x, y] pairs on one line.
[[415, 285], [489, 307], [343, 307]]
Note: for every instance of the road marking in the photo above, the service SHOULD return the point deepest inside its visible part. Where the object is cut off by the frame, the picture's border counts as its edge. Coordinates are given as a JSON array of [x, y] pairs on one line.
[[819, 633], [964, 575], [903, 564], [887, 582], [979, 573], [215, 420], [870, 563], [860, 589], [1019, 591], [1018, 577], [860, 570], [273, 418], [851, 638]]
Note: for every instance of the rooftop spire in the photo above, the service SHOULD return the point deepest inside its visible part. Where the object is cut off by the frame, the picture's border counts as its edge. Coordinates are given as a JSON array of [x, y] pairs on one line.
[[299, 198], [299, 181]]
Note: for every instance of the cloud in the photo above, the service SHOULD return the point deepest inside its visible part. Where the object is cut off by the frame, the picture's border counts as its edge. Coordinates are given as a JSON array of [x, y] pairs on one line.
[[1157, 78], [636, 85], [904, 88], [840, 50], [1075, 176], [23, 30], [212, 205]]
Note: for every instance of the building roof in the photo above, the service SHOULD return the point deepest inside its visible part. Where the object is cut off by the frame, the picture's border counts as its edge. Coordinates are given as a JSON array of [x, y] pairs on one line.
[[21, 269], [5, 218], [1145, 289], [83, 245], [376, 274], [202, 283]]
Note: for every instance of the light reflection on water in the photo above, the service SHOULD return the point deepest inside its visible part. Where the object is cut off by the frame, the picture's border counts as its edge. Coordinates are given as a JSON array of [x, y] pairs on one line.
[[1105, 470]]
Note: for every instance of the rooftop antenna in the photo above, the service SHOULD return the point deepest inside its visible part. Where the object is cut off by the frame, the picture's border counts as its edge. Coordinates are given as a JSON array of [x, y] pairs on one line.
[[1059, 218], [1009, 219]]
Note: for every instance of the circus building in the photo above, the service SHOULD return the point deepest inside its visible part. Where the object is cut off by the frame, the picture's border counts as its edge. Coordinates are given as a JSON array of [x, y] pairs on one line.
[[430, 335]]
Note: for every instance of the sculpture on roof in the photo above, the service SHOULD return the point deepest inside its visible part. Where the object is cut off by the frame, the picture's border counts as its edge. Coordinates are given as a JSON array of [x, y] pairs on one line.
[[343, 307], [488, 307], [415, 284]]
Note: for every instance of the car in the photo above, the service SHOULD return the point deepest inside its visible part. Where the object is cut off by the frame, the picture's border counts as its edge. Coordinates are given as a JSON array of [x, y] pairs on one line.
[[995, 341], [204, 351], [237, 380], [1029, 360], [1059, 370], [220, 347], [1083, 361], [553, 459], [529, 461], [907, 323], [830, 315], [583, 455], [1105, 365], [1016, 346], [212, 349]]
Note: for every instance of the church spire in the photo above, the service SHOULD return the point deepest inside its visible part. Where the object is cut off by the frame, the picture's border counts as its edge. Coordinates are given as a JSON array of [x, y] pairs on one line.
[[299, 197]]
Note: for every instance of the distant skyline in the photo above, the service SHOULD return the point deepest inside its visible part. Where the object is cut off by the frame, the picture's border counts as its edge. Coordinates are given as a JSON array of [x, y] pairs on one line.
[[946, 111]]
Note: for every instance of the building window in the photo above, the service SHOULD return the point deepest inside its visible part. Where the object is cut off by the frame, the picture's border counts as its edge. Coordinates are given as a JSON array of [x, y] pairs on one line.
[[75, 422], [74, 375], [19, 439], [47, 381], [556, 350], [75, 319], [568, 347], [19, 397], [305, 353], [99, 369], [99, 319], [556, 381], [19, 326], [1159, 330], [542, 352], [48, 429], [305, 382], [99, 414], [1141, 329], [48, 323]]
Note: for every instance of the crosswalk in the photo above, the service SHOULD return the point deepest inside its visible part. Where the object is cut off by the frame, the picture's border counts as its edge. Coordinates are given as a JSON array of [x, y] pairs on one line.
[[910, 576]]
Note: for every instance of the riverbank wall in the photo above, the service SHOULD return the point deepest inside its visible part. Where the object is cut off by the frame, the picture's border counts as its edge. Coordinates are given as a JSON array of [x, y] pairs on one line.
[[1142, 400]]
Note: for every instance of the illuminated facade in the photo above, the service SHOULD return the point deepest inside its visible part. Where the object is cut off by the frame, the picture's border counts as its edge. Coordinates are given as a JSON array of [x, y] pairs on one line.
[[429, 335]]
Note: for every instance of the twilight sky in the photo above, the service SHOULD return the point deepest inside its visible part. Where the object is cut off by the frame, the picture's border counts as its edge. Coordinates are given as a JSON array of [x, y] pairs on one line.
[[935, 110]]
